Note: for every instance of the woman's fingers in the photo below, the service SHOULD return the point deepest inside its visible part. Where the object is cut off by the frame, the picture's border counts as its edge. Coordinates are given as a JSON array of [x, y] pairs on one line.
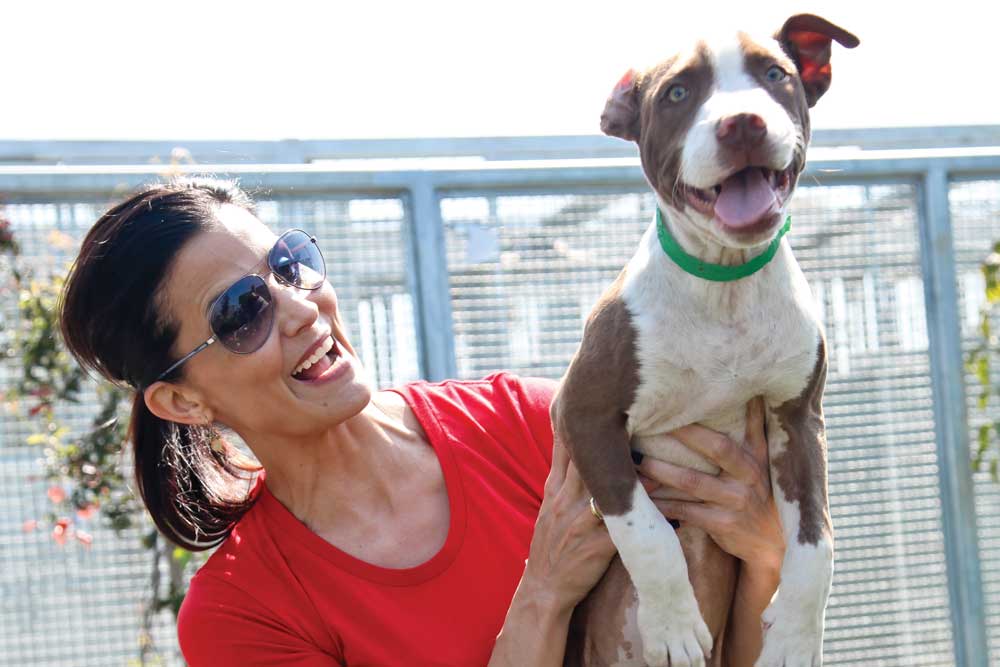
[[717, 448], [709, 518], [705, 487], [755, 437]]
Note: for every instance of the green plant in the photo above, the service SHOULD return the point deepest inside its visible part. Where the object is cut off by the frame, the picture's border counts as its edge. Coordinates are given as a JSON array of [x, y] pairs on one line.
[[986, 455], [85, 472]]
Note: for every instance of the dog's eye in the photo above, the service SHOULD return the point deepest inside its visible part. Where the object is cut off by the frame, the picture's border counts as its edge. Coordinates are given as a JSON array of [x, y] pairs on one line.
[[677, 93], [776, 74]]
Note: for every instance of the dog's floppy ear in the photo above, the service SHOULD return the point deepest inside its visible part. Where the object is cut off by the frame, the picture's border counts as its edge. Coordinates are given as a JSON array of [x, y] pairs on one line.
[[806, 39], [621, 112]]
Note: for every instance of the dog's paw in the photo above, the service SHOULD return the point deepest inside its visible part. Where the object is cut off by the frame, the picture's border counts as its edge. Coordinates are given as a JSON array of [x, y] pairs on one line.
[[674, 635], [790, 640]]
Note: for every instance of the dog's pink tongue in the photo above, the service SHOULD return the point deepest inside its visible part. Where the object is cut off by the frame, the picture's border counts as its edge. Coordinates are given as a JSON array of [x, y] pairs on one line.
[[746, 197]]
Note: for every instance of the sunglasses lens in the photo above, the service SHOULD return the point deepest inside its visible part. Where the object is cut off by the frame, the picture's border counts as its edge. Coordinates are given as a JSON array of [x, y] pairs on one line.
[[241, 318], [296, 260]]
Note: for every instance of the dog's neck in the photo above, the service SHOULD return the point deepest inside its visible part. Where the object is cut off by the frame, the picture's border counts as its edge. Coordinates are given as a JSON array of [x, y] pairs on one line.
[[727, 300], [701, 245]]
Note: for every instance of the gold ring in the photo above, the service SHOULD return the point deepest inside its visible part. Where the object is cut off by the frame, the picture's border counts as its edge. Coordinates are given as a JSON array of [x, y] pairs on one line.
[[593, 510]]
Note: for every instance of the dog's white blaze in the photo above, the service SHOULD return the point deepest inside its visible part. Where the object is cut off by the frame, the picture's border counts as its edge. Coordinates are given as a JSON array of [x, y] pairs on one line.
[[735, 91], [668, 612]]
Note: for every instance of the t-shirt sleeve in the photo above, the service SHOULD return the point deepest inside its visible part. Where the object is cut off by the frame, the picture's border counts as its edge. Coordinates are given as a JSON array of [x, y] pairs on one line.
[[535, 396], [220, 625]]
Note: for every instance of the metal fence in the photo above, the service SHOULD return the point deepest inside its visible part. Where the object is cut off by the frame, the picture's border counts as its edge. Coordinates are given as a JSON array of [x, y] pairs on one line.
[[494, 263]]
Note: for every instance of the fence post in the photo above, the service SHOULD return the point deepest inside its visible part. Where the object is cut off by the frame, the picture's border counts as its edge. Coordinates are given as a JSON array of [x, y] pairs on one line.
[[958, 513], [436, 338]]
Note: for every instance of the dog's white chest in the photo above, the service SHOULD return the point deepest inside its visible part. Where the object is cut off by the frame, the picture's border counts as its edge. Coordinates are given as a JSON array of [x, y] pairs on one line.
[[704, 350]]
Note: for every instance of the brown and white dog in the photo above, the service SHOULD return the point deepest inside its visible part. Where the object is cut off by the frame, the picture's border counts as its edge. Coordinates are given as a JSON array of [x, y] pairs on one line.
[[722, 129]]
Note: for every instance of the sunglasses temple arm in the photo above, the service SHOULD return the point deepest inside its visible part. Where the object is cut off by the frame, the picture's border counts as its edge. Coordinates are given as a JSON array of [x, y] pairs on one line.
[[185, 358]]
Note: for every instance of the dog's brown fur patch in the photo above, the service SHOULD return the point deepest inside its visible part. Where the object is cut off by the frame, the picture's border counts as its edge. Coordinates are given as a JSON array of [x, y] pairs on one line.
[[664, 124], [801, 467], [589, 412]]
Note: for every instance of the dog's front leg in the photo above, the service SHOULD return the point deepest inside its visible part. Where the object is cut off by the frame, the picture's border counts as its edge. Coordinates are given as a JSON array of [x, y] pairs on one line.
[[589, 415], [793, 621]]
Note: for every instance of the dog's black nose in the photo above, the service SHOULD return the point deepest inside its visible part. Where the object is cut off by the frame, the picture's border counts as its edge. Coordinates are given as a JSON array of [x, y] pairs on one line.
[[742, 130]]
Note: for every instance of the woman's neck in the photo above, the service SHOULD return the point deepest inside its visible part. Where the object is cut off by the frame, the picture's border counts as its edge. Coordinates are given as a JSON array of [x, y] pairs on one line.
[[358, 467]]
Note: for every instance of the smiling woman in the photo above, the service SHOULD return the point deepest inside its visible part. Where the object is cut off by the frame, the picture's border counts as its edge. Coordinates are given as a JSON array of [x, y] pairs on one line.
[[431, 524]]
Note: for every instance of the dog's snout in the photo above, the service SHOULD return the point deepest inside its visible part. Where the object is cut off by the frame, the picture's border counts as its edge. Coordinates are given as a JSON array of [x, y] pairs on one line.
[[742, 130]]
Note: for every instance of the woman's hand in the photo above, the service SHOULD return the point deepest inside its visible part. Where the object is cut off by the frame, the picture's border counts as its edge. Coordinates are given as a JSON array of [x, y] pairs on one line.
[[736, 508], [570, 548]]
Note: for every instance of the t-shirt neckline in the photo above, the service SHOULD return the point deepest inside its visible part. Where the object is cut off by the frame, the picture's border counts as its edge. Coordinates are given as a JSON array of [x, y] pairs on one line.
[[441, 441]]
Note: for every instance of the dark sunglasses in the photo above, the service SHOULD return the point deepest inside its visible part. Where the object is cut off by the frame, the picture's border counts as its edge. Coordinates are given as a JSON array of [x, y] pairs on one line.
[[241, 317]]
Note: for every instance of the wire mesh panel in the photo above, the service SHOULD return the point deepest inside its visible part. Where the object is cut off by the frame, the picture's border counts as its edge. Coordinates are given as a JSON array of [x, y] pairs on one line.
[[526, 269], [975, 211], [81, 605], [73, 604]]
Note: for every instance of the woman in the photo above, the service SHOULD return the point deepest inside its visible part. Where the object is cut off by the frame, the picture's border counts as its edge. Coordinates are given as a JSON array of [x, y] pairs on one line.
[[384, 527]]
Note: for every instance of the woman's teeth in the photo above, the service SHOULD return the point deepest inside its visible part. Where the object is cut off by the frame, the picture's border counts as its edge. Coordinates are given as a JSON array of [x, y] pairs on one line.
[[320, 352]]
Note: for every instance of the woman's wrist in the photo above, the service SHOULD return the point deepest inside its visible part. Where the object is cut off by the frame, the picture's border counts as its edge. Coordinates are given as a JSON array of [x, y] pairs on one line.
[[539, 598], [758, 582], [761, 574], [534, 632]]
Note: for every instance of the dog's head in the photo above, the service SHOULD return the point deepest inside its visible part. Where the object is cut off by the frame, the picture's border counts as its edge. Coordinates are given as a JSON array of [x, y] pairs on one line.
[[722, 128]]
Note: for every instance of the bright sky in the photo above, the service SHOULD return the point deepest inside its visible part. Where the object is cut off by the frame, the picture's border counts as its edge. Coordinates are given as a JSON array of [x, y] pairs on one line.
[[216, 69]]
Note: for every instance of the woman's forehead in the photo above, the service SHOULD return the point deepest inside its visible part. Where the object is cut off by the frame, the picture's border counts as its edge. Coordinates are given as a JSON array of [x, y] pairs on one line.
[[231, 248], [244, 227]]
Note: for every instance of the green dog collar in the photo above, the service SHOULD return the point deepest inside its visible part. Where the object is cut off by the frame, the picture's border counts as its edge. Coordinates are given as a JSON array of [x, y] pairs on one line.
[[716, 272]]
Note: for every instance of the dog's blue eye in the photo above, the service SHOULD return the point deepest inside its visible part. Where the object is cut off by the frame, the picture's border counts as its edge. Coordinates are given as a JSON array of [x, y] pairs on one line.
[[776, 74], [677, 93]]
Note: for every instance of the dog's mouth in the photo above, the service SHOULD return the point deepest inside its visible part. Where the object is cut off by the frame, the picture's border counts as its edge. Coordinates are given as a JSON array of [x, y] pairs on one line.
[[746, 201]]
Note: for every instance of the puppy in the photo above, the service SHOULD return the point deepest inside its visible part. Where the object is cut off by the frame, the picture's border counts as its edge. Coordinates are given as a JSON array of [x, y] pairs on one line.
[[711, 311]]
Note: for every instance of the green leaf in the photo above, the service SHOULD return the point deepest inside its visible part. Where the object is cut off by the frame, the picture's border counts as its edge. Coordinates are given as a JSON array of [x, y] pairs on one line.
[[181, 556], [983, 445], [983, 370]]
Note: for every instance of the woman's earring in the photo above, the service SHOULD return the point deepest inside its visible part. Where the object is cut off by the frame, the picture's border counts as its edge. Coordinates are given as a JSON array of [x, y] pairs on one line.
[[218, 445]]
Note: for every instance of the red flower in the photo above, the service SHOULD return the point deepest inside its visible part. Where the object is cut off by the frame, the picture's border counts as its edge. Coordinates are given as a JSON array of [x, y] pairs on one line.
[[29, 525], [56, 494], [86, 512], [61, 531], [86, 539]]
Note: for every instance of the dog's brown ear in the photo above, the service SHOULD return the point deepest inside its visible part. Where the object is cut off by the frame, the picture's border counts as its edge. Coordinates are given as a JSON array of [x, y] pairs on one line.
[[621, 112], [806, 39]]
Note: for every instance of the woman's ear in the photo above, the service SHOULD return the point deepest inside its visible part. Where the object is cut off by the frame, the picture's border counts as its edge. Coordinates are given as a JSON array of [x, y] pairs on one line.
[[178, 404]]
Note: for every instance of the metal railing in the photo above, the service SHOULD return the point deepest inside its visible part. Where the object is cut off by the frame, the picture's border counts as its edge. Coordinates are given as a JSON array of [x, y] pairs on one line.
[[538, 218]]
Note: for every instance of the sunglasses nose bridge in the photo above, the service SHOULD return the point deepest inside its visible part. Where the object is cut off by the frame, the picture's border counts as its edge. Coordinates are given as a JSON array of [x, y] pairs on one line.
[[296, 309]]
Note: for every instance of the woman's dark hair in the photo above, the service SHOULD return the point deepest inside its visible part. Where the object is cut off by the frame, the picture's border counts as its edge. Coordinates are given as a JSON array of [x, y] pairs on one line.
[[113, 322]]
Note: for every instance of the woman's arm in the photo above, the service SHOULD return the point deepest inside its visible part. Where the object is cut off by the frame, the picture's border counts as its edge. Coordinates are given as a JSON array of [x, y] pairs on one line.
[[570, 551], [738, 511]]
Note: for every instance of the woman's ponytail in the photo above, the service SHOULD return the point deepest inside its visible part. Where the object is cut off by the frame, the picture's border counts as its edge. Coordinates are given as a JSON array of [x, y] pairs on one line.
[[111, 322]]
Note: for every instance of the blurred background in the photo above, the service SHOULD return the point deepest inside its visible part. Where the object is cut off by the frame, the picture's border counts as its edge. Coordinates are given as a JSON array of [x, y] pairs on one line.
[[446, 156]]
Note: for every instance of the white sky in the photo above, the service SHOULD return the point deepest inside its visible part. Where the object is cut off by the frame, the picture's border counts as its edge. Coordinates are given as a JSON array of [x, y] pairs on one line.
[[214, 69]]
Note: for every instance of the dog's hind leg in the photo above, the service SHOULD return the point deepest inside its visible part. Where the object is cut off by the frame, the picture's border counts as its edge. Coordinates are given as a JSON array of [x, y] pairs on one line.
[[604, 630]]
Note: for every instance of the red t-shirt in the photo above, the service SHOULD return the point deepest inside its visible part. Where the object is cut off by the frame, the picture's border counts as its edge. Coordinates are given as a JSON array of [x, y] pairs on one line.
[[275, 593]]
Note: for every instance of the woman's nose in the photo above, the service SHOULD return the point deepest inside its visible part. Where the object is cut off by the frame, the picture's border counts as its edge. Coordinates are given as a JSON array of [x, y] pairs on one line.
[[296, 309]]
